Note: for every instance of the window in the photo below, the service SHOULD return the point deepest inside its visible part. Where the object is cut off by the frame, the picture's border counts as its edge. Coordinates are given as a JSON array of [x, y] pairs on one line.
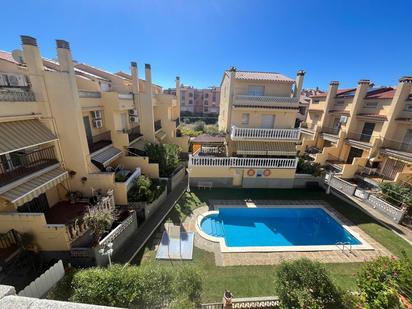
[[206, 109], [206, 95], [341, 102], [371, 104], [206, 102], [190, 102], [315, 101], [214, 97], [245, 118], [256, 90], [408, 108], [183, 97]]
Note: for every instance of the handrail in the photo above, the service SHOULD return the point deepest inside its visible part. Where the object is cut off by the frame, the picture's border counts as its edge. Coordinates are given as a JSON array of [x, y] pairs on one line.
[[265, 133]]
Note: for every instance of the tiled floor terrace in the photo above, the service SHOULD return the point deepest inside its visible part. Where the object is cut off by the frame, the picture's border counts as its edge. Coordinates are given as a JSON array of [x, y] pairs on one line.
[[64, 212]]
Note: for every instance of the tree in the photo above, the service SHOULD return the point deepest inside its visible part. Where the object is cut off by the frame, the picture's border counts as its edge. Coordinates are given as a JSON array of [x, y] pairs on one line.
[[141, 190], [306, 284], [99, 221], [166, 155], [396, 194]]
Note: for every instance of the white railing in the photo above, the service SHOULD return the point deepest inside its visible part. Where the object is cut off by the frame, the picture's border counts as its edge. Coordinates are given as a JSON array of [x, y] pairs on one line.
[[342, 185], [243, 162], [262, 133], [118, 230], [39, 287], [385, 208]]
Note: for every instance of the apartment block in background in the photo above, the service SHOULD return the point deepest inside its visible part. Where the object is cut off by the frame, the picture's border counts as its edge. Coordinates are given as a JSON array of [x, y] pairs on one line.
[[258, 113], [71, 138], [363, 130], [198, 101]]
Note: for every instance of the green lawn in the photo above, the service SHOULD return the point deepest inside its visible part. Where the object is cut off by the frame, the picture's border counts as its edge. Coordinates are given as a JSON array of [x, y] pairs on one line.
[[258, 280]]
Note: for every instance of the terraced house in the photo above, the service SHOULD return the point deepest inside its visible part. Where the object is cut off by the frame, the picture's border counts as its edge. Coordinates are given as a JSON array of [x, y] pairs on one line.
[[258, 112], [72, 137], [363, 130]]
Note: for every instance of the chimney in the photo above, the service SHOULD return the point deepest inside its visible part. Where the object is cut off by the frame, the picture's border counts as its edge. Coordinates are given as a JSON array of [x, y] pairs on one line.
[[178, 86], [333, 89], [148, 77], [299, 83], [135, 77], [403, 89], [31, 54], [65, 57]]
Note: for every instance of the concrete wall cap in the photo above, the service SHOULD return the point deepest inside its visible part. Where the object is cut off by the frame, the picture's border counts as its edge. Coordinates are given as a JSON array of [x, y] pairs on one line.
[[28, 40], [364, 81], [405, 79], [62, 44], [147, 66], [133, 64], [334, 83]]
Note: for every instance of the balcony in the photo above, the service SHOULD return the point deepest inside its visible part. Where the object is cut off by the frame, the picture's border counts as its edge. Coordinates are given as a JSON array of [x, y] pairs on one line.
[[22, 165], [397, 145], [242, 162], [134, 133], [265, 102], [333, 131], [14, 95], [264, 134], [99, 141], [157, 125], [90, 94]]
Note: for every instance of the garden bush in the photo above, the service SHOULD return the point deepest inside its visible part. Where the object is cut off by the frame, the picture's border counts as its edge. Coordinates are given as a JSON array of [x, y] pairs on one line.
[[166, 155], [396, 194], [306, 284], [145, 190], [307, 167], [137, 287], [382, 282]]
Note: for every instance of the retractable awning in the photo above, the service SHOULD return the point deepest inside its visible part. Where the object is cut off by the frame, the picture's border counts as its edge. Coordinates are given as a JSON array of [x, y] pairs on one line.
[[34, 187], [107, 156], [266, 148], [17, 135], [138, 144]]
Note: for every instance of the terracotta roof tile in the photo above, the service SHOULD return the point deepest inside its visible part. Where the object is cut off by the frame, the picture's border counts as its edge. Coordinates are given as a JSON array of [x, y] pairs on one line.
[[263, 76], [7, 56], [339, 92]]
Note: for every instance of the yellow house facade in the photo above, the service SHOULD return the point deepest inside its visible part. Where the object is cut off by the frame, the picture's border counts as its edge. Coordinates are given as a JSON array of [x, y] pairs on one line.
[[363, 130], [257, 112], [70, 131]]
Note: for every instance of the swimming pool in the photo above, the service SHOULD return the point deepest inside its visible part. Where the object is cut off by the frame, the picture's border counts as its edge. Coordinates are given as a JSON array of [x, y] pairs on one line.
[[276, 229]]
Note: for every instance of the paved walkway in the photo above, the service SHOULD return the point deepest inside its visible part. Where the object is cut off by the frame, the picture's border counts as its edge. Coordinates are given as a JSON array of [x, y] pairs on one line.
[[273, 258], [139, 238]]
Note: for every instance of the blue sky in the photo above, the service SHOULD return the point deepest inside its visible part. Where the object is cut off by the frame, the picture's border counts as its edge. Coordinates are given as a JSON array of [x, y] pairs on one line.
[[330, 39]]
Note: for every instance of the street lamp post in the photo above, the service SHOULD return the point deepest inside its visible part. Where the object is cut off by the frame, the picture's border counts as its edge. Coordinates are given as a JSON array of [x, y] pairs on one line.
[[108, 250], [188, 179], [329, 182]]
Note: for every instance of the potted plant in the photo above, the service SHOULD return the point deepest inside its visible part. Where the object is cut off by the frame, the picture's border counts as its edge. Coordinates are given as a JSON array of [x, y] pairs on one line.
[[99, 221]]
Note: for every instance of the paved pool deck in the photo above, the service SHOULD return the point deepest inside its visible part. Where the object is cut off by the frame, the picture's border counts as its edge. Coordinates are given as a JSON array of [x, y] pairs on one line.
[[273, 258]]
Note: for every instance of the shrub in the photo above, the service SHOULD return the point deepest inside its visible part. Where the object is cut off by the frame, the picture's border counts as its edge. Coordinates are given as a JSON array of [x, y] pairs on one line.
[[383, 280], [137, 287], [396, 194], [166, 155], [144, 190], [99, 221], [199, 126], [306, 284], [307, 167]]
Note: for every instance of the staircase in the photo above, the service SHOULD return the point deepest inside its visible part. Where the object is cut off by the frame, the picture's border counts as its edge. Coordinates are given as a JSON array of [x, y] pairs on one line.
[[216, 225]]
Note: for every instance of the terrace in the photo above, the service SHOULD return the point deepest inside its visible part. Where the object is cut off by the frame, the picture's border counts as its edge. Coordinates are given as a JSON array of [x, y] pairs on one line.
[[241, 101], [100, 141], [264, 134], [21, 165]]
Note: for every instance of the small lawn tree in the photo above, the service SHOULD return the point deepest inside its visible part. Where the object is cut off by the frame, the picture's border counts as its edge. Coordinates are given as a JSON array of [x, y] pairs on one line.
[[99, 221], [306, 284]]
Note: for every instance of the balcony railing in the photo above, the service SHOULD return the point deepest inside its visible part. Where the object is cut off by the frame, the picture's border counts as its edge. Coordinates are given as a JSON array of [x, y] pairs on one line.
[[268, 101], [361, 137], [242, 162], [397, 145], [333, 131], [157, 125], [177, 122], [89, 94], [125, 96], [21, 165], [134, 133], [11, 95], [100, 141], [265, 134]]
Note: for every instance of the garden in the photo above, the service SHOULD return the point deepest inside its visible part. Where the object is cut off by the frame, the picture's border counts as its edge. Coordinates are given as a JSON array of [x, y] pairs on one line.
[[199, 127]]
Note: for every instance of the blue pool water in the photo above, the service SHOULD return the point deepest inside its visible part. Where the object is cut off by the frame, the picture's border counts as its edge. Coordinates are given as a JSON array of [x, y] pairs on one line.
[[260, 227]]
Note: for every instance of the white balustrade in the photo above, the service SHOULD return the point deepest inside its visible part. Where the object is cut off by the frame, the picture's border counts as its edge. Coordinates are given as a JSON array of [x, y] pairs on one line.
[[266, 99], [387, 209], [266, 134], [242, 162]]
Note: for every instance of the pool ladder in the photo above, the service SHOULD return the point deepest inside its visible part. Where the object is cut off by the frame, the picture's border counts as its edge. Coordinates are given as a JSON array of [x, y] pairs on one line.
[[344, 244]]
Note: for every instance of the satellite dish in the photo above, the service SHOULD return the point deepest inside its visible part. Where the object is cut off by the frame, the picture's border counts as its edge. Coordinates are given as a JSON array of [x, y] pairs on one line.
[[17, 55]]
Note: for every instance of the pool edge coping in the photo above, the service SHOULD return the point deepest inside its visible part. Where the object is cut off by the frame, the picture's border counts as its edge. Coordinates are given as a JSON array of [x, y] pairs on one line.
[[225, 249]]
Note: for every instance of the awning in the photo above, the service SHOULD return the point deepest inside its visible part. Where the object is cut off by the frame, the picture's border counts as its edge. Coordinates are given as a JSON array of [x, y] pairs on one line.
[[34, 187], [17, 135], [138, 144], [105, 157], [266, 148], [160, 135]]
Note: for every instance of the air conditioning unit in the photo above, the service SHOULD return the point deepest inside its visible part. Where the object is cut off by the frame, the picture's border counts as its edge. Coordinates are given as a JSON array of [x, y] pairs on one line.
[[3, 80], [343, 119], [98, 123], [97, 114], [133, 119], [132, 112], [16, 80]]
